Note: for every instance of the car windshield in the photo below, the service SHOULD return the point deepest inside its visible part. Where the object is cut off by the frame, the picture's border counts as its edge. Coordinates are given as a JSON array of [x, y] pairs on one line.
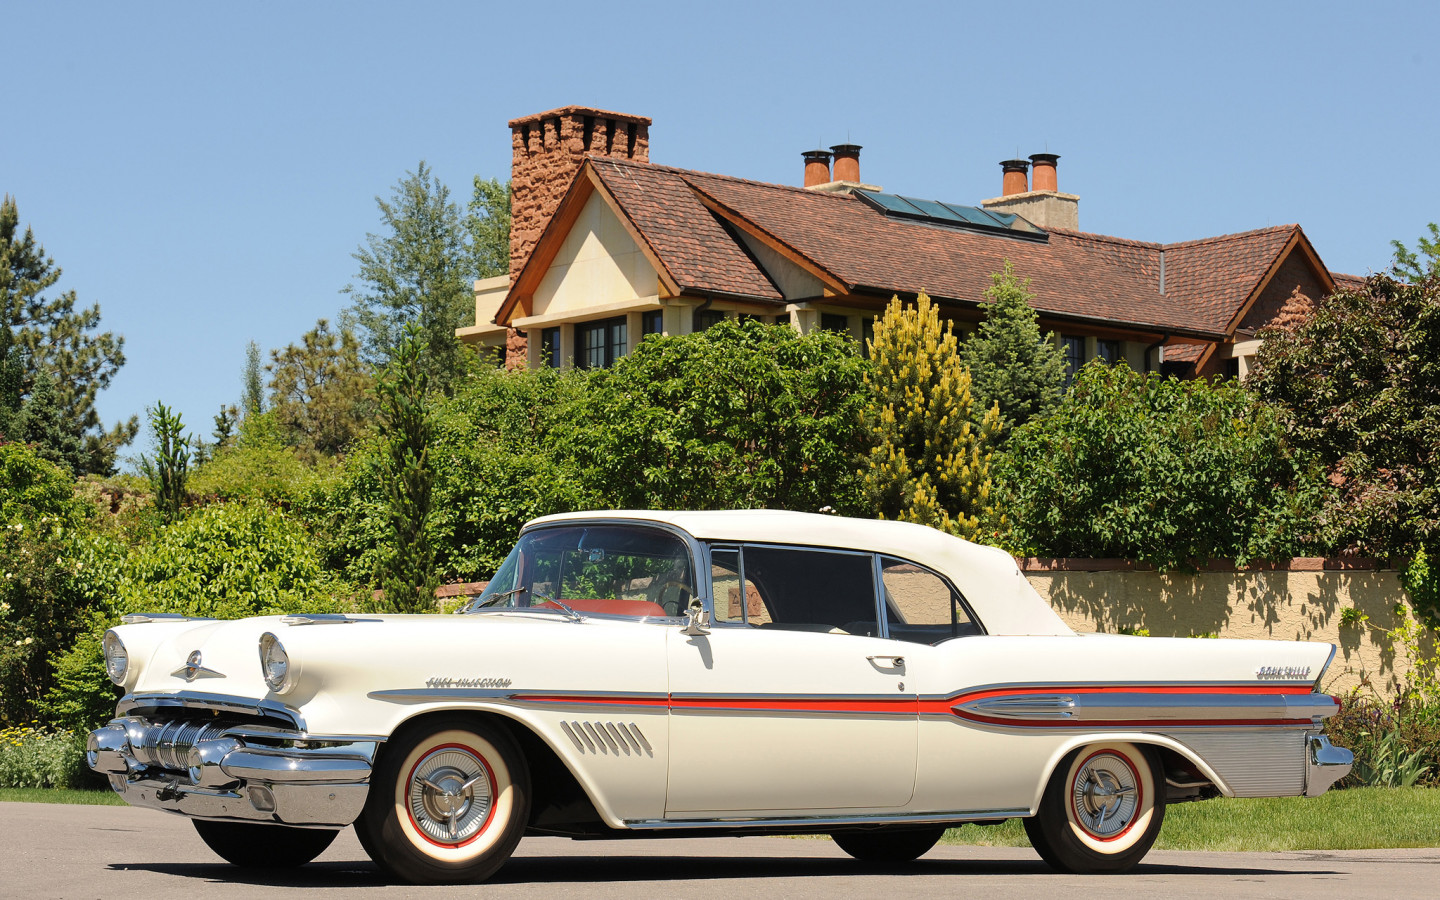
[[624, 570]]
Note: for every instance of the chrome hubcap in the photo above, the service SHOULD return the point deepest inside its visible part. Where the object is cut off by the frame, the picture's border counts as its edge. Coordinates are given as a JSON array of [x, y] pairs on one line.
[[1105, 795], [450, 795]]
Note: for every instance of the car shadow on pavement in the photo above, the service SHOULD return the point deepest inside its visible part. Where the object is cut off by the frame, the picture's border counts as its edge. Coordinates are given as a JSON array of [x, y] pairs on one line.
[[614, 869]]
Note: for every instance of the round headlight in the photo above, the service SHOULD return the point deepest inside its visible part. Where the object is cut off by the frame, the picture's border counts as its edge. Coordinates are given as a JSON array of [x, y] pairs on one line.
[[274, 663], [117, 661]]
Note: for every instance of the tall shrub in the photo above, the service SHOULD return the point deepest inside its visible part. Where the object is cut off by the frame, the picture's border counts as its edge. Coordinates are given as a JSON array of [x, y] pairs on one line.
[[930, 457], [1159, 470], [407, 575]]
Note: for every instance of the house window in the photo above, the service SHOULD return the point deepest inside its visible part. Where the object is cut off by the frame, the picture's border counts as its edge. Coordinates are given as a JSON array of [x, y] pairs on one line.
[[833, 322], [867, 334], [707, 317], [599, 344], [1073, 348], [550, 347], [652, 322], [1108, 351], [1232, 368]]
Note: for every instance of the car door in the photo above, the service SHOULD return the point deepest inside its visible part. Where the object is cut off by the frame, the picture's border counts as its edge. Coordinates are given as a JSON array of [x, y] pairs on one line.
[[791, 704]]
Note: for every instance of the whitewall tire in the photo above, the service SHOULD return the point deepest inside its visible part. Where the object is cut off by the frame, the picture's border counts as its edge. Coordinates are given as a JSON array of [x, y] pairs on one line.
[[448, 803], [1102, 809]]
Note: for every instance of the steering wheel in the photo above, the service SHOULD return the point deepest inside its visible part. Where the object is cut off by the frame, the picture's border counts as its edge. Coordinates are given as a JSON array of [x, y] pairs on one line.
[[682, 589]]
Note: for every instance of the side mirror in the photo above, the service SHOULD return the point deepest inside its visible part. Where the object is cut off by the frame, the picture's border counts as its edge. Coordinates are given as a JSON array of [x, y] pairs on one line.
[[698, 620]]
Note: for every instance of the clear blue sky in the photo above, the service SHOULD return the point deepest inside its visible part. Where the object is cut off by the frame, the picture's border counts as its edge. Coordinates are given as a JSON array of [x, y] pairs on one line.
[[205, 171]]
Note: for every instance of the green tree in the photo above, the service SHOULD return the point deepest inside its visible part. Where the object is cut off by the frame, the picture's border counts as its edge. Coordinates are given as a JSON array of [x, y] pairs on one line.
[[252, 393], [1421, 263], [487, 222], [42, 421], [1161, 471], [506, 460], [929, 460], [168, 469], [41, 601], [416, 272], [1011, 363], [321, 391], [57, 338], [1358, 384], [739, 415], [226, 561], [408, 577]]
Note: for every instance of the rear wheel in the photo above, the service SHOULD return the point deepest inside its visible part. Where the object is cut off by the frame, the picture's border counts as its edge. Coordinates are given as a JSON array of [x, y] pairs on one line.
[[1101, 811], [888, 845], [254, 846], [448, 802]]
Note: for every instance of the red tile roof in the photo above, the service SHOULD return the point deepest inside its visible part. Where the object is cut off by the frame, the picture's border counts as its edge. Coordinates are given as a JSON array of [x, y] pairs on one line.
[[695, 246], [1073, 274]]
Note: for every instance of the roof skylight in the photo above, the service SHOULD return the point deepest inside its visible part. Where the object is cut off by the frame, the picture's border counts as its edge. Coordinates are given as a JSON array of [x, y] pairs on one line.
[[952, 215]]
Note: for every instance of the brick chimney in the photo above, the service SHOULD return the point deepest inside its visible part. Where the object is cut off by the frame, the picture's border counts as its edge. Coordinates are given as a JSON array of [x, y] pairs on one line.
[[817, 167], [1017, 177], [1041, 202], [548, 149]]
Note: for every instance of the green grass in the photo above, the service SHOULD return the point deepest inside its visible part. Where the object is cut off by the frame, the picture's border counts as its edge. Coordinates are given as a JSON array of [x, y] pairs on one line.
[[1354, 819], [106, 797]]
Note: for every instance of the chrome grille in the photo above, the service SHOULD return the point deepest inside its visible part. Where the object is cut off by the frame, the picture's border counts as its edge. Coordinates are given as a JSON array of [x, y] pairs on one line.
[[167, 744], [608, 738]]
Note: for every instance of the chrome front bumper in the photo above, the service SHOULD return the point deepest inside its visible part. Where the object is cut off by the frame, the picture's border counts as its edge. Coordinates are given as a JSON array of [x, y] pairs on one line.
[[234, 772], [1325, 764]]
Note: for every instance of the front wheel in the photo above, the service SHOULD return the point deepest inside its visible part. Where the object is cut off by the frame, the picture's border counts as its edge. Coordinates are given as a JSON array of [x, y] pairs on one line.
[[255, 846], [888, 845], [1101, 811], [448, 802]]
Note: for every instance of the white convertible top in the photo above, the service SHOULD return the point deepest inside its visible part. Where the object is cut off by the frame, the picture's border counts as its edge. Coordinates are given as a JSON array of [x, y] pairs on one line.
[[988, 577]]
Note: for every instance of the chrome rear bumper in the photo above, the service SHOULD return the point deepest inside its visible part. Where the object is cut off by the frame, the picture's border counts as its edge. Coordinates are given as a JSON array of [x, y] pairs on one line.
[[1325, 764], [257, 774]]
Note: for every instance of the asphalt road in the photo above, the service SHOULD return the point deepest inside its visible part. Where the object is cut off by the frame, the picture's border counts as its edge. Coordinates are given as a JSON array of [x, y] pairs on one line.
[[81, 852]]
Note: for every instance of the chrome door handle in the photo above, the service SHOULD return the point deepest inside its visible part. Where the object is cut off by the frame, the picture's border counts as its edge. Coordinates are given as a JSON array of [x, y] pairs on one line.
[[897, 662]]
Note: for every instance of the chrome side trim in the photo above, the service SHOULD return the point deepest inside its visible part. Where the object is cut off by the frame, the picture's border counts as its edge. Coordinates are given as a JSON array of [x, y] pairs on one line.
[[607, 699], [821, 822], [1082, 686], [1125, 706]]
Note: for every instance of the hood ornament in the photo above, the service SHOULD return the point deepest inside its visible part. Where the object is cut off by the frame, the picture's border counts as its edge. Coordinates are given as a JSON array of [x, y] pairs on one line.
[[193, 669]]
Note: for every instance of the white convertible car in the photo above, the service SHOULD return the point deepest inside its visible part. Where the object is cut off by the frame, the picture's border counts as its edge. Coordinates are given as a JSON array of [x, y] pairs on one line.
[[704, 673]]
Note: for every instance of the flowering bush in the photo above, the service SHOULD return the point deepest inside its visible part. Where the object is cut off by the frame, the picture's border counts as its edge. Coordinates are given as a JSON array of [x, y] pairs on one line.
[[1396, 744], [31, 757]]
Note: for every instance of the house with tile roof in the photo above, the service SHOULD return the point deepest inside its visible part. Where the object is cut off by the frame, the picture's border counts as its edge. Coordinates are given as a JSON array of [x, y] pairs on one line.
[[607, 247]]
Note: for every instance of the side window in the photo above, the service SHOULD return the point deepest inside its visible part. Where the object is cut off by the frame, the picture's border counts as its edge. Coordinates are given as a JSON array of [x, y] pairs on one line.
[[920, 606], [809, 590]]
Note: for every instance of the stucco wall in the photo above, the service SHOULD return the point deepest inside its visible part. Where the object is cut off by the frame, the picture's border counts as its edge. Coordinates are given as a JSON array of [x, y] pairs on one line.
[[1283, 604]]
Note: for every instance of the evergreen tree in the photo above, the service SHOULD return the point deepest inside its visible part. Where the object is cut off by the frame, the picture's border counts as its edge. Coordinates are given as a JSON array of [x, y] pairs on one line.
[[320, 391], [1011, 363], [488, 225], [408, 577], [12, 381], [169, 468], [43, 421], [57, 338], [416, 272], [930, 462], [252, 394]]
